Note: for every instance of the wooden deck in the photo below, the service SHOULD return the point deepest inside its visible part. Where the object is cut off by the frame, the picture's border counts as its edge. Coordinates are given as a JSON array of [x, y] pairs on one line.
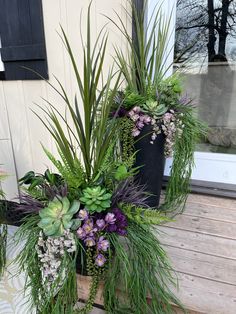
[[202, 246]]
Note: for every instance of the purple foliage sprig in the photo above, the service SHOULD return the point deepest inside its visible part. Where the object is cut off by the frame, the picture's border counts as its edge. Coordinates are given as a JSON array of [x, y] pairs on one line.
[[52, 190], [130, 192], [28, 204]]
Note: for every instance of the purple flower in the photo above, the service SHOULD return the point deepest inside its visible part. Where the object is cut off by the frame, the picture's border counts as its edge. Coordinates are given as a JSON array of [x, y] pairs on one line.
[[120, 224], [90, 242], [110, 218], [100, 223], [121, 232], [88, 226], [136, 109], [100, 260], [135, 132], [139, 125], [121, 112], [146, 119], [81, 233], [111, 228], [103, 244], [83, 214]]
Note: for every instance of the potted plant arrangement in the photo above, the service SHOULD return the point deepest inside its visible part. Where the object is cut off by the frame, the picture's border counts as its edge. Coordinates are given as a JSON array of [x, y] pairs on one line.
[[91, 217], [156, 119]]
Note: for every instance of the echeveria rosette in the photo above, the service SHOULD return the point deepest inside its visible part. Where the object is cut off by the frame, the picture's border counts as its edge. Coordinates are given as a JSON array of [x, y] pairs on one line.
[[96, 199], [58, 216], [154, 109]]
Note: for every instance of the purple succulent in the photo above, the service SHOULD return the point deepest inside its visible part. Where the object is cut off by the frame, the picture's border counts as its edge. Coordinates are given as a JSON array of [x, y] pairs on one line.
[[110, 218], [103, 244], [100, 260]]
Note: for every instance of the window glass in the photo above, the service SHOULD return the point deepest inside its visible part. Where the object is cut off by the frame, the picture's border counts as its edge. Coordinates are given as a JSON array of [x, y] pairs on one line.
[[205, 50]]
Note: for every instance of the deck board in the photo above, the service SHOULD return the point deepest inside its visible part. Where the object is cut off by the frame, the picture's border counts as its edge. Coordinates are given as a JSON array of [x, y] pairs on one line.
[[201, 244]]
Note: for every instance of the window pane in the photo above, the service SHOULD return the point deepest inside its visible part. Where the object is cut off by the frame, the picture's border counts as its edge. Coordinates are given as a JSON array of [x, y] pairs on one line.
[[205, 49]]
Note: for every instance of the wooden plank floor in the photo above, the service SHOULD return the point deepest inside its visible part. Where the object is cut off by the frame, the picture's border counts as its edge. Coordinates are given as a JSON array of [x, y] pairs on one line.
[[201, 244]]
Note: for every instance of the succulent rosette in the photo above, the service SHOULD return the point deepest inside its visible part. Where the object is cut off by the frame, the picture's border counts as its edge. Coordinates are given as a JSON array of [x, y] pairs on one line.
[[58, 216], [96, 199]]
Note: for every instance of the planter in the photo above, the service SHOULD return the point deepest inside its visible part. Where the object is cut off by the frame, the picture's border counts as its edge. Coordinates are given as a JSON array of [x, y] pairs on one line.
[[151, 159], [83, 288]]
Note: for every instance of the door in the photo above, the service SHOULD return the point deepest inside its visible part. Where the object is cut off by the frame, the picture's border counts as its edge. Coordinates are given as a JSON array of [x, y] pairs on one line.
[[202, 39]]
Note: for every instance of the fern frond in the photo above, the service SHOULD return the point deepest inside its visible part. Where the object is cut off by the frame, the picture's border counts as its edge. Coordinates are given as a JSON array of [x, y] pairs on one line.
[[75, 176], [144, 215]]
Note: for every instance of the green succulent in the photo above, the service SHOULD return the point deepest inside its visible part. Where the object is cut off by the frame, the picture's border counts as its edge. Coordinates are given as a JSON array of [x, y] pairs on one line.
[[58, 216], [96, 199], [153, 107], [132, 99]]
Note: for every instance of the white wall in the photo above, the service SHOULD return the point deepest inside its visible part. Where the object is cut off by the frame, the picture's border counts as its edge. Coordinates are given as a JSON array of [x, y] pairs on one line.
[[20, 130]]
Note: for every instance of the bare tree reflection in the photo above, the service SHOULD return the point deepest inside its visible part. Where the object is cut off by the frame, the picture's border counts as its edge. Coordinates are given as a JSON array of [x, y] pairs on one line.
[[206, 34]]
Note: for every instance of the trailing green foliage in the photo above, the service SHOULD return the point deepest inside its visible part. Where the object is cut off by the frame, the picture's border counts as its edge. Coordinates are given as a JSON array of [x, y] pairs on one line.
[[183, 161], [45, 301], [138, 275], [3, 231], [3, 244], [126, 141]]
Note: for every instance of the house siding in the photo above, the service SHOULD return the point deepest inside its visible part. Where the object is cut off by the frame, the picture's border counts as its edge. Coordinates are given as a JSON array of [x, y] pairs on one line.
[[20, 130]]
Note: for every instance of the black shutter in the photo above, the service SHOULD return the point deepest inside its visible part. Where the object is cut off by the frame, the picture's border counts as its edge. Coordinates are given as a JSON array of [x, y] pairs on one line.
[[22, 38]]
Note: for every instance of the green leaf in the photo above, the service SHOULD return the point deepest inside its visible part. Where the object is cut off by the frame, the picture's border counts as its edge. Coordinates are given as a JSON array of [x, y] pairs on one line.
[[121, 173], [76, 224]]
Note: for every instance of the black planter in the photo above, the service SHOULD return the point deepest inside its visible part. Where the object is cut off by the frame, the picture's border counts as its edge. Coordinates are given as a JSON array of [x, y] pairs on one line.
[[151, 159]]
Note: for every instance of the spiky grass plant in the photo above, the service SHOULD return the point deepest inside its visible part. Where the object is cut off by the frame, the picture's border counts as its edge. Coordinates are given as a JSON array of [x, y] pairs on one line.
[[140, 276], [145, 66], [92, 134]]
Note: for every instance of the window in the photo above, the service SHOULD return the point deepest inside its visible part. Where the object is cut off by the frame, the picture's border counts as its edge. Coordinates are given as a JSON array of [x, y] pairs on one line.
[[22, 40]]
